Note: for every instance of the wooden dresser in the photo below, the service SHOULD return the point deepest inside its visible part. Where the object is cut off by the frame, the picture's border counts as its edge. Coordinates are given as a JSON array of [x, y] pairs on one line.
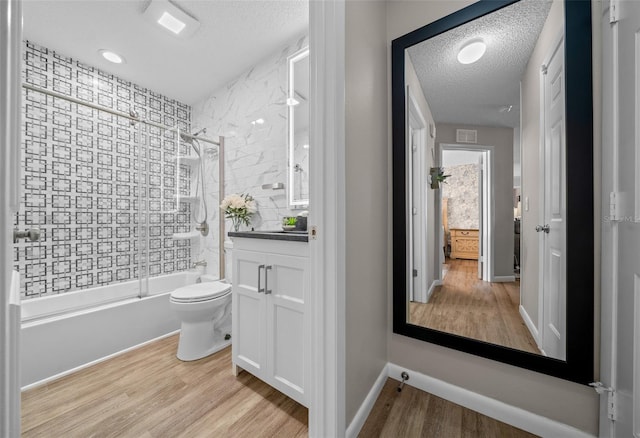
[[464, 244]]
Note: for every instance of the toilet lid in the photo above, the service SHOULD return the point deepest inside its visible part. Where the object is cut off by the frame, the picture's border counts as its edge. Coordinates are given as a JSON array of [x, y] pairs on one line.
[[208, 290]]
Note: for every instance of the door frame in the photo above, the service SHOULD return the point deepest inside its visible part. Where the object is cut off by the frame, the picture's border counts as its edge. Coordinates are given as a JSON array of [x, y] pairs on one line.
[[327, 190], [10, 129], [326, 214], [488, 204], [417, 120]]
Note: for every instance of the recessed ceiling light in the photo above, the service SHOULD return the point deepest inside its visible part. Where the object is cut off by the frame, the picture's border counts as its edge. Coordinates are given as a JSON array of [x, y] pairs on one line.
[[171, 17], [111, 56], [305, 146], [170, 22], [258, 122], [471, 52]]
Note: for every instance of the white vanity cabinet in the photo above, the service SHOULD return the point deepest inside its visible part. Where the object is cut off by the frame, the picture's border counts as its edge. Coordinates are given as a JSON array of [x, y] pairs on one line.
[[271, 328]]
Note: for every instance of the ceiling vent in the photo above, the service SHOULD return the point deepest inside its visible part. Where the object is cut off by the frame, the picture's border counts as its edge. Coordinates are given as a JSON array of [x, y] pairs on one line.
[[466, 136]]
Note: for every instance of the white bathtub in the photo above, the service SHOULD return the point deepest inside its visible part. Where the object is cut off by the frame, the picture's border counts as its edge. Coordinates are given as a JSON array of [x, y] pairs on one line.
[[63, 333]]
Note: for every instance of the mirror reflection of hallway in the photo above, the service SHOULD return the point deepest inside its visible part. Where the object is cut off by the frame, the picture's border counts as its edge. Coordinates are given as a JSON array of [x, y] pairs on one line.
[[464, 304], [467, 306], [491, 132]]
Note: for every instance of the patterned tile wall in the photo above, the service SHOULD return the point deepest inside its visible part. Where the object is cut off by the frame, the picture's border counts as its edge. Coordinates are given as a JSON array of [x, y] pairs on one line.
[[102, 190]]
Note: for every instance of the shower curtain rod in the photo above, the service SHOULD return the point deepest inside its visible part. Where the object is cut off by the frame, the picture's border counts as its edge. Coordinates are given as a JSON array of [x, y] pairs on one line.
[[111, 111]]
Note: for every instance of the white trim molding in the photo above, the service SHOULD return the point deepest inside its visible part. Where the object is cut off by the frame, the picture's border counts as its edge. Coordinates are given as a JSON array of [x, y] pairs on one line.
[[367, 405], [530, 325], [432, 288], [496, 409], [327, 217], [10, 133], [504, 279], [635, 398]]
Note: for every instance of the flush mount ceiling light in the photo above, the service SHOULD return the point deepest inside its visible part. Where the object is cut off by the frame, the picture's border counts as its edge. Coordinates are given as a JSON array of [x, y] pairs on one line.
[[292, 101], [171, 18], [471, 52], [111, 56]]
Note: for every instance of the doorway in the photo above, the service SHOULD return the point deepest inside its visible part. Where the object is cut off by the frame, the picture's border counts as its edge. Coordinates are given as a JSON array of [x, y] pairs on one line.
[[466, 200]]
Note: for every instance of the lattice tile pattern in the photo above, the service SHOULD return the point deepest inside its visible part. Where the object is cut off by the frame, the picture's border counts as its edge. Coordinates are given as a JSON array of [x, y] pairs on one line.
[[102, 190]]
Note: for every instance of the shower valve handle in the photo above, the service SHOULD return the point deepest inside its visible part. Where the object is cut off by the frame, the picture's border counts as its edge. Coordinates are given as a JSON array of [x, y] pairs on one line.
[[33, 234]]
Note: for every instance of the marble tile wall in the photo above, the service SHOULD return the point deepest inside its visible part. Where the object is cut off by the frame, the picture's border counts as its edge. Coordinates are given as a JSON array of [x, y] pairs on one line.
[[461, 189], [251, 113], [81, 185]]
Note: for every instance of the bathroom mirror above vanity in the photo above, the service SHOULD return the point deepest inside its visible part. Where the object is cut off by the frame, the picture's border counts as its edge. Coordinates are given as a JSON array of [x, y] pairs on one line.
[[298, 129], [493, 184]]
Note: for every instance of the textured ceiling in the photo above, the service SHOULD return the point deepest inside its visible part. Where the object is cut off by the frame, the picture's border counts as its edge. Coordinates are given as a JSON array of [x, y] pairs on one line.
[[233, 36], [475, 93]]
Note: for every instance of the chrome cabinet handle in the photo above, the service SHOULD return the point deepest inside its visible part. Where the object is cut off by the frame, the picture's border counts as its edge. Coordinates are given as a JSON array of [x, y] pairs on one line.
[[260, 289], [544, 228], [266, 279], [33, 234]]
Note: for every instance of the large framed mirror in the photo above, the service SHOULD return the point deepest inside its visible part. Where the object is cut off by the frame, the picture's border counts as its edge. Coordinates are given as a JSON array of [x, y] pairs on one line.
[[298, 129], [493, 205]]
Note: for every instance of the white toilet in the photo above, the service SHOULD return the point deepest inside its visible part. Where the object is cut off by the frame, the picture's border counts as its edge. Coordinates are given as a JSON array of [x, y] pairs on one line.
[[205, 311]]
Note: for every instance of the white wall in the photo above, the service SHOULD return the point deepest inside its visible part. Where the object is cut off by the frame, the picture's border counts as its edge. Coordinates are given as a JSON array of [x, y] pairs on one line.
[[366, 199], [254, 154], [570, 403], [530, 132]]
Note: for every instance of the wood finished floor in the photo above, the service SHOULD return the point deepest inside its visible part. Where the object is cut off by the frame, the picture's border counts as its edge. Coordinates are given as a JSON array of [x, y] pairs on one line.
[[413, 413], [148, 393], [467, 306]]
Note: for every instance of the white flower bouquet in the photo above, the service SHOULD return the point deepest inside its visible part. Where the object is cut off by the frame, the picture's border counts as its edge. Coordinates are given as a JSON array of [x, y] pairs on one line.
[[239, 208]]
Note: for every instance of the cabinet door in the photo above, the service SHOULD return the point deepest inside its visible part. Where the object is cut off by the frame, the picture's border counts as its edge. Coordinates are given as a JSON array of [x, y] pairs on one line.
[[249, 311], [287, 328]]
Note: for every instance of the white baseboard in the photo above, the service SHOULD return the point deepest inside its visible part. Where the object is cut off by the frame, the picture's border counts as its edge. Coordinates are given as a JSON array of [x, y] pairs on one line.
[[530, 325], [365, 408], [504, 279], [94, 362], [498, 410], [432, 288]]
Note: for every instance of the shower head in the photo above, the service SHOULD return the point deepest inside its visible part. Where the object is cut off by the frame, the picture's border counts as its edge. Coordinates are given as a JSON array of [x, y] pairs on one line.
[[186, 138]]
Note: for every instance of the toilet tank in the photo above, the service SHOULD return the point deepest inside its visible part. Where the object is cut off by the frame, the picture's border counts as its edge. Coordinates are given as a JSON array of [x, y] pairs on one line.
[[228, 261]]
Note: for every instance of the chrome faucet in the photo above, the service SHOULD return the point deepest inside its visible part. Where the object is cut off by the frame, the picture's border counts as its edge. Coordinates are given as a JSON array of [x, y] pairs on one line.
[[202, 263]]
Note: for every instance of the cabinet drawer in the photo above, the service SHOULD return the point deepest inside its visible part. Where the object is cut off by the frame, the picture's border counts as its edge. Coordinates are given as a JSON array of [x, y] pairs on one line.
[[455, 232]]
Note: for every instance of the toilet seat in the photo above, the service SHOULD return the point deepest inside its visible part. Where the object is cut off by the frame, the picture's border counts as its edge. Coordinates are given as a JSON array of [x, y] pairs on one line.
[[195, 293]]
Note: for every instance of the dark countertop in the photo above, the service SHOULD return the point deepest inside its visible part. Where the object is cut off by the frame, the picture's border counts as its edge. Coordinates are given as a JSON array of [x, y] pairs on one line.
[[292, 236]]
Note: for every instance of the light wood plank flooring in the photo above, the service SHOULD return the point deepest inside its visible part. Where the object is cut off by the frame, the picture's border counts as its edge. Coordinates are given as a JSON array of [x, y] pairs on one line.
[[148, 392], [467, 306], [413, 413]]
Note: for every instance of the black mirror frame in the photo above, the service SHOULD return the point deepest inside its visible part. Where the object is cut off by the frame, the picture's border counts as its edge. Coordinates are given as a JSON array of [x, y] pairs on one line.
[[579, 364]]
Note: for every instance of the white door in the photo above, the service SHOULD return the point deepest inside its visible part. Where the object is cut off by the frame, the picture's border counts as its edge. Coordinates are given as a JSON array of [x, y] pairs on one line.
[[286, 288], [553, 229], [249, 349], [620, 360]]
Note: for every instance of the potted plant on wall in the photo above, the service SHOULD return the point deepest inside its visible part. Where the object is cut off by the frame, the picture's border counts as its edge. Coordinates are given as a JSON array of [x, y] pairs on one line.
[[437, 176]]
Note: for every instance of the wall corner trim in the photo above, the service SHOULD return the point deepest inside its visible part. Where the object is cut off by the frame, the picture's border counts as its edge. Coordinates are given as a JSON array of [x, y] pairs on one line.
[[496, 409], [367, 405], [530, 325]]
